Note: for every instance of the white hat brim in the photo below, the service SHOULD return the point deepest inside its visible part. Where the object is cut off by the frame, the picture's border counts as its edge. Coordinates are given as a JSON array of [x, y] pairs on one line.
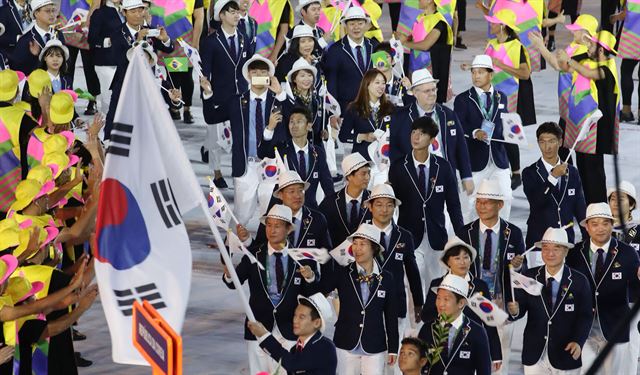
[[449, 288], [583, 223], [355, 167], [256, 57], [565, 244], [372, 197], [311, 68], [276, 193]]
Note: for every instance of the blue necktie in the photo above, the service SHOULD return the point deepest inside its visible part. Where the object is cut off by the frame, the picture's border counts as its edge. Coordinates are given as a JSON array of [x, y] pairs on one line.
[[360, 59], [354, 217], [232, 47], [488, 245], [422, 180], [259, 121], [487, 101], [302, 164], [47, 37]]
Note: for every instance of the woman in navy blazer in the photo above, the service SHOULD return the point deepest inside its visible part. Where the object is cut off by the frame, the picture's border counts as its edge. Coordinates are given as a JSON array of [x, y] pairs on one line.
[[370, 111], [367, 325]]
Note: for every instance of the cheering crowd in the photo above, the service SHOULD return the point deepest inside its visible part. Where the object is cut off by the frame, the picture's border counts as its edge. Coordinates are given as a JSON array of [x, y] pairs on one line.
[[407, 248]]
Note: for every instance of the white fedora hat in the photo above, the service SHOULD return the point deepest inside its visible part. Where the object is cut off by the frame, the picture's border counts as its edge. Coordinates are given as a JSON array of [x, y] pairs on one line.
[[625, 187], [288, 178], [304, 3], [132, 4], [55, 43], [301, 64], [322, 306], [482, 61], [422, 76], [595, 210], [280, 212], [556, 236], [256, 57], [37, 4], [353, 162], [301, 31], [455, 241], [490, 189], [355, 13], [383, 191], [455, 284], [217, 8], [368, 231]]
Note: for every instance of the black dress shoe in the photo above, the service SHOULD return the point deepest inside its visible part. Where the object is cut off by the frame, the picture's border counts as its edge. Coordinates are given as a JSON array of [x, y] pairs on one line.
[[91, 109], [626, 117], [220, 183], [81, 362], [175, 115], [204, 154], [187, 117], [516, 180], [77, 336]]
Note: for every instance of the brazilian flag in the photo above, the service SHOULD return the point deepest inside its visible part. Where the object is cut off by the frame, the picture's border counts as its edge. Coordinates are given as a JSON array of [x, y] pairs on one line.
[[176, 64]]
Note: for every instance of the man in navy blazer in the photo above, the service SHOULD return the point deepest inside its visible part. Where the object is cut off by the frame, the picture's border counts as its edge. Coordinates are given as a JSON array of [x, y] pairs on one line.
[[224, 53], [345, 209], [559, 319], [274, 286], [553, 188], [479, 110], [313, 353], [346, 61], [25, 56], [466, 350], [611, 267], [16, 19], [426, 182], [253, 122]]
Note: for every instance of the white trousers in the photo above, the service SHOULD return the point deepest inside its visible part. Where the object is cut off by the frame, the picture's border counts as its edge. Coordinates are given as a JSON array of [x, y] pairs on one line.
[[105, 76], [505, 333], [543, 367], [259, 360], [357, 364], [633, 347], [614, 364], [491, 172], [211, 144], [428, 261]]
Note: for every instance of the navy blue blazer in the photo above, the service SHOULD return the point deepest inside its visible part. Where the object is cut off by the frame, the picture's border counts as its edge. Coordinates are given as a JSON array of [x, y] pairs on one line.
[[263, 308], [419, 213], [610, 294], [317, 169], [122, 40], [353, 124], [510, 244], [334, 208], [224, 73], [430, 312], [10, 18], [467, 107], [313, 233], [372, 323], [555, 208], [249, 31], [239, 117], [318, 356], [104, 22], [454, 145], [399, 258], [469, 353], [342, 70], [553, 327], [22, 58]]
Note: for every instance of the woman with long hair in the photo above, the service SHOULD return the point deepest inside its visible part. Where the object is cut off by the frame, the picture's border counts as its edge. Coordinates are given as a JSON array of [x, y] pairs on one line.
[[370, 111], [302, 45]]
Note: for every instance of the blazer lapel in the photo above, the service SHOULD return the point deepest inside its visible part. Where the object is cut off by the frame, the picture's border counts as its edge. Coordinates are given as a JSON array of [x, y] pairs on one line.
[[347, 49], [565, 286], [474, 240], [546, 302], [434, 169], [411, 170], [391, 244], [355, 283], [307, 219], [465, 328], [443, 128], [341, 208]]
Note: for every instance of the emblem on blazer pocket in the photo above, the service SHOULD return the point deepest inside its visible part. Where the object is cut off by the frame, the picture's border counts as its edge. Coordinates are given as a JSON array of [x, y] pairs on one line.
[[571, 192], [400, 245], [570, 296], [616, 275], [297, 281], [510, 256], [315, 174], [451, 123], [439, 189], [311, 242], [616, 265], [465, 354], [386, 118], [399, 256], [382, 293], [569, 307]]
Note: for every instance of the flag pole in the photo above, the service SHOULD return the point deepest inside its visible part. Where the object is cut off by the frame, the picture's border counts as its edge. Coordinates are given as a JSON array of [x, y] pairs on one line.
[[513, 293], [227, 261]]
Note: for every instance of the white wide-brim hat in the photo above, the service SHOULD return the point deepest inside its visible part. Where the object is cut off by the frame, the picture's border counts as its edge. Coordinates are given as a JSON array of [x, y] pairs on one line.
[[455, 284], [490, 189], [37, 4], [355, 13], [353, 162], [217, 8], [304, 3], [288, 178], [383, 191], [301, 64], [256, 57], [301, 31], [280, 212], [369, 232], [322, 306], [595, 210], [420, 77], [482, 61], [54, 43], [556, 236], [132, 4], [455, 241], [625, 187]]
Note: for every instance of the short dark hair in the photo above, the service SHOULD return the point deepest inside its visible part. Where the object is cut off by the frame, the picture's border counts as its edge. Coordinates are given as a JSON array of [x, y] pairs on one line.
[[314, 313], [455, 251], [384, 46], [256, 64], [418, 344], [549, 127], [426, 125], [294, 46], [303, 111], [231, 5]]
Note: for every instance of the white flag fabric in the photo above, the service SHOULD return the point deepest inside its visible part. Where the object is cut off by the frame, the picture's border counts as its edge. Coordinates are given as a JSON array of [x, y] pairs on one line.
[[224, 136], [142, 248], [236, 246], [194, 58], [586, 126], [343, 254], [512, 130], [280, 163], [398, 57], [486, 310], [528, 284], [218, 207], [379, 149], [319, 255]]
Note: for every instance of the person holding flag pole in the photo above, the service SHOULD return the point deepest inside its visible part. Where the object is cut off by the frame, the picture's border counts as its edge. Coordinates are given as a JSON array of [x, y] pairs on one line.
[[559, 318]]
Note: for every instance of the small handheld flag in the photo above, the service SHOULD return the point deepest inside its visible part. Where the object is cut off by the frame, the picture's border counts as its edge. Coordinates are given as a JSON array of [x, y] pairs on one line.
[[236, 246], [343, 253], [512, 130], [528, 284], [486, 310], [319, 255]]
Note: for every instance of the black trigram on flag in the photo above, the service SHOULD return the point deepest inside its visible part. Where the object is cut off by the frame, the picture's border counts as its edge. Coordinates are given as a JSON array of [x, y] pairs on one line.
[[147, 292], [166, 202], [120, 139]]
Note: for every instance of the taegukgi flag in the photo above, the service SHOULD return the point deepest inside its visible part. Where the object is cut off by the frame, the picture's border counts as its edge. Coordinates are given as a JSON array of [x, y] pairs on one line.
[[142, 248]]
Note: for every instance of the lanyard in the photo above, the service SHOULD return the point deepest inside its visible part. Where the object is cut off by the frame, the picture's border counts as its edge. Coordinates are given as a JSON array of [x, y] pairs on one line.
[[487, 115], [285, 269]]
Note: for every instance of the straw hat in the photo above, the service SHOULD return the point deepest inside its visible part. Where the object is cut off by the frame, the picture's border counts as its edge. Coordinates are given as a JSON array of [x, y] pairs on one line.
[[556, 236], [455, 284]]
